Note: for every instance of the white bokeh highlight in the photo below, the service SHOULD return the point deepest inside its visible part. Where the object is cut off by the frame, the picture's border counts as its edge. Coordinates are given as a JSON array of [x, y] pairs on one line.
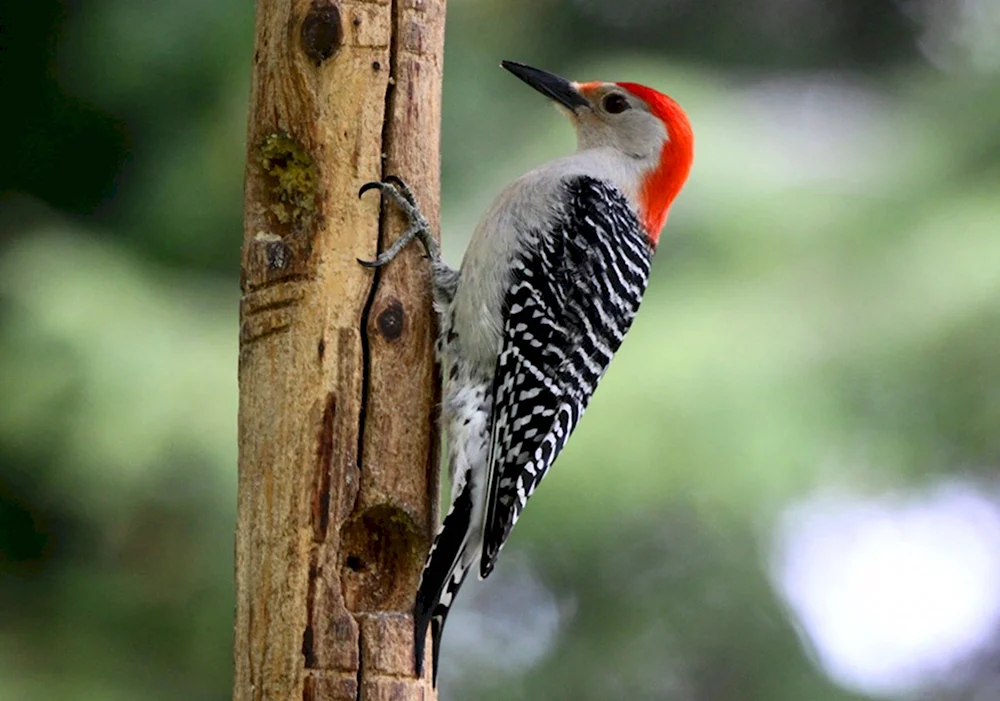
[[501, 626], [892, 592]]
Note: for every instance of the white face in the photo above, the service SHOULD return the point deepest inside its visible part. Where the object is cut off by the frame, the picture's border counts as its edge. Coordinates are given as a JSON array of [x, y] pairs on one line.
[[615, 118]]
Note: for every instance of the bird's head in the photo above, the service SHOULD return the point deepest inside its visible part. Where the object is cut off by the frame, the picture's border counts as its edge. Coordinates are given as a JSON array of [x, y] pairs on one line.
[[644, 125]]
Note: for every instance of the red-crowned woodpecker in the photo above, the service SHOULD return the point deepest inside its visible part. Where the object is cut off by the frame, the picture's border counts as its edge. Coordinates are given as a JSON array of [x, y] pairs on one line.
[[549, 285]]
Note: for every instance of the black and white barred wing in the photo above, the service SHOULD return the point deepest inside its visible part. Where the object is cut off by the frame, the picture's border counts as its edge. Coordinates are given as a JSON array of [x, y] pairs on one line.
[[571, 301]]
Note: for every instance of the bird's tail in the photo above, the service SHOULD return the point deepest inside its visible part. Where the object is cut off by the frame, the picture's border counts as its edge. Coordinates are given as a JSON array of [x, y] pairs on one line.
[[446, 567]]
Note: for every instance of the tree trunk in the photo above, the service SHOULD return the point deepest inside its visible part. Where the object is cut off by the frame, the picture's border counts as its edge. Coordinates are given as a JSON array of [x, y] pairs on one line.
[[338, 460]]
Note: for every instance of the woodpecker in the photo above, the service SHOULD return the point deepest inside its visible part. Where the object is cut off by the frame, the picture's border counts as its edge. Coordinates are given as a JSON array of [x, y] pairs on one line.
[[548, 287]]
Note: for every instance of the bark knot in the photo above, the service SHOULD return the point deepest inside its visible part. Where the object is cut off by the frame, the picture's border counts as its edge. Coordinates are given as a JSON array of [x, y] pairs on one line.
[[322, 32], [391, 320]]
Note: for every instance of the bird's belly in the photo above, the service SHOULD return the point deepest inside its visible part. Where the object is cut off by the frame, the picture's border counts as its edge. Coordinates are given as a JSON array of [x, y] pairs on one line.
[[467, 426]]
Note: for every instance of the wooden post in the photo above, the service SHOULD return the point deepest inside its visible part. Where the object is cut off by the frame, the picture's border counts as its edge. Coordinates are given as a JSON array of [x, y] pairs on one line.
[[337, 439]]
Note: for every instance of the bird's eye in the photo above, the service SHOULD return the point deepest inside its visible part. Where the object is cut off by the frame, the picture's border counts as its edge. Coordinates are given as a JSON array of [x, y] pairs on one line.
[[615, 103]]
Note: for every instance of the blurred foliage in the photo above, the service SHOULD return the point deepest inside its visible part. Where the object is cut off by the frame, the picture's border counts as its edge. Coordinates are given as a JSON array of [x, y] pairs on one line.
[[824, 311]]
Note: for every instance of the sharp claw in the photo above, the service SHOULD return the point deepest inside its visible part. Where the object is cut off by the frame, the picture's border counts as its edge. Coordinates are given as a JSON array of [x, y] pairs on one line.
[[369, 186], [402, 188], [395, 180], [397, 190]]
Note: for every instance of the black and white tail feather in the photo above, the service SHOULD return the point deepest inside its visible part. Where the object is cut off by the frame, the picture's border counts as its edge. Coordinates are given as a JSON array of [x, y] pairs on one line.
[[442, 577], [573, 294]]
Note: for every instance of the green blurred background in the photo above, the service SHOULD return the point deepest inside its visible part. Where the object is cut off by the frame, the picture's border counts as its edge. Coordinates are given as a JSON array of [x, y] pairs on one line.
[[786, 487]]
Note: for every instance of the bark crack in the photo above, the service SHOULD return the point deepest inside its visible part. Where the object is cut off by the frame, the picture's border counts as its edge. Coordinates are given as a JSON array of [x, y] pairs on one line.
[[383, 225]]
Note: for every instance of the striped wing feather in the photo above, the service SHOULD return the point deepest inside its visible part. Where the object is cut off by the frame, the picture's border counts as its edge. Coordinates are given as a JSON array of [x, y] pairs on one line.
[[572, 298]]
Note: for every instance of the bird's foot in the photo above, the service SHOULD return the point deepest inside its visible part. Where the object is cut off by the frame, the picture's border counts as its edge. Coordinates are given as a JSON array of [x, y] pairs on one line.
[[400, 193]]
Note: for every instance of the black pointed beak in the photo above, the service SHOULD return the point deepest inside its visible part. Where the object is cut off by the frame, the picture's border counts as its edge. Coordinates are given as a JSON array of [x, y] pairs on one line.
[[559, 89]]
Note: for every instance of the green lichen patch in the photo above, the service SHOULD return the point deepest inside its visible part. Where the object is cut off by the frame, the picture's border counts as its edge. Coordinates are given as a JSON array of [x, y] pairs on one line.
[[292, 177]]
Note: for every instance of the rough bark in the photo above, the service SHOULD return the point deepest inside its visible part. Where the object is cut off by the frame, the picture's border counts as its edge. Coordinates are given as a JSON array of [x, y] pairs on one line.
[[337, 440]]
